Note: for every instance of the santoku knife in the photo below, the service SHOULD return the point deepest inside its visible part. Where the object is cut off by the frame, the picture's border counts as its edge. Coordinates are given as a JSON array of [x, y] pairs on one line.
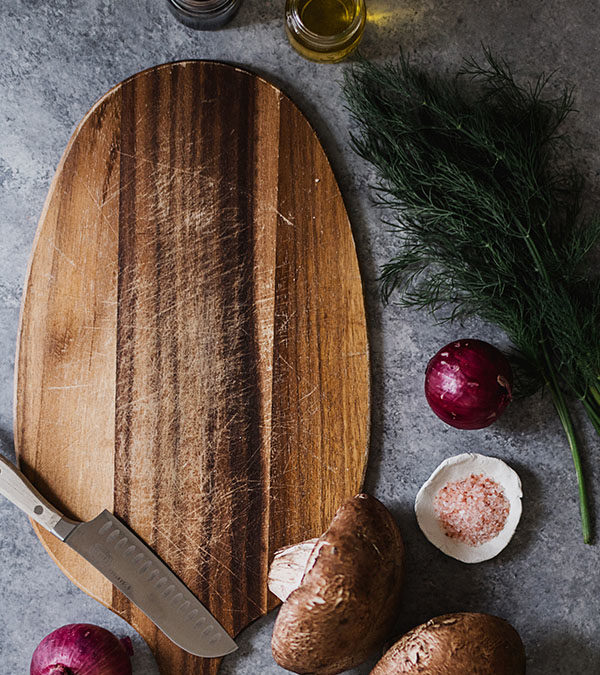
[[130, 565]]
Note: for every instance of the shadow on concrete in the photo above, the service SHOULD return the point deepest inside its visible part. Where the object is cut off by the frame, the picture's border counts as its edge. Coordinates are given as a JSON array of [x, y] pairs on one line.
[[562, 653], [7, 445]]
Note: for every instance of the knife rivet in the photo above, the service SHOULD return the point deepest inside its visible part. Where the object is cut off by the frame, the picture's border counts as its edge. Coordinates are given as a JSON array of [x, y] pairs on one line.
[[38, 510]]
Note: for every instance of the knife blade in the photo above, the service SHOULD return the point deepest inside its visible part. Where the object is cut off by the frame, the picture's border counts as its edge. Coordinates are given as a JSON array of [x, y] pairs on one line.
[[127, 562]]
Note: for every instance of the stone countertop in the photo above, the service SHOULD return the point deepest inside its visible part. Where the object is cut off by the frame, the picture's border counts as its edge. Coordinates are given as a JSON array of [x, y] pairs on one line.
[[59, 56]]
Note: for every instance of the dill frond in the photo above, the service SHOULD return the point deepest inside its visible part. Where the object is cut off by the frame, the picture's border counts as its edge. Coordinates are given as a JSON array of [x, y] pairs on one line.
[[488, 217]]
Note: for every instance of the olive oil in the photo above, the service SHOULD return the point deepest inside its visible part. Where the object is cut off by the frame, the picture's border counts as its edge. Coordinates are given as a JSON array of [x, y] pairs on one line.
[[327, 17], [325, 30]]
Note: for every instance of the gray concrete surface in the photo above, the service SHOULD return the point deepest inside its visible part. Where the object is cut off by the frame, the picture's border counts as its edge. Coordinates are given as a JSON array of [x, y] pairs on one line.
[[58, 56]]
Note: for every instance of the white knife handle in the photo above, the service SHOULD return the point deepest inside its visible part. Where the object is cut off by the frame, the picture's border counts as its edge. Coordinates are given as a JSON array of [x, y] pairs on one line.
[[15, 487]]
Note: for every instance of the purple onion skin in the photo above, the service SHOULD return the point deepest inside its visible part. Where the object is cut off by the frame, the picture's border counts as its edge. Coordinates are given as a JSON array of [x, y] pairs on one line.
[[82, 649], [468, 384]]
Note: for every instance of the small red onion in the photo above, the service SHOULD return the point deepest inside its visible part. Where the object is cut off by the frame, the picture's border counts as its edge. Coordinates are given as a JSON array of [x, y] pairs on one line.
[[82, 649], [468, 384]]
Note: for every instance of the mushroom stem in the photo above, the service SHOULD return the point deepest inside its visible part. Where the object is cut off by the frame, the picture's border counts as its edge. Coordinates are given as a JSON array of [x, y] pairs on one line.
[[288, 568]]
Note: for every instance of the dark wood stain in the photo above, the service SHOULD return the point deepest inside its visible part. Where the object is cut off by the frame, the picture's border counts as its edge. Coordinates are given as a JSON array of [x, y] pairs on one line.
[[126, 309], [211, 483], [209, 124]]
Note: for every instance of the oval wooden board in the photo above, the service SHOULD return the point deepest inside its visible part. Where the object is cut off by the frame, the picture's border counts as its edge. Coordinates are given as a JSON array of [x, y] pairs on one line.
[[193, 350]]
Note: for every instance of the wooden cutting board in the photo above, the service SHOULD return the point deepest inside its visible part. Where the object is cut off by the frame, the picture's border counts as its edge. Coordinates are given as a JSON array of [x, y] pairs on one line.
[[193, 351]]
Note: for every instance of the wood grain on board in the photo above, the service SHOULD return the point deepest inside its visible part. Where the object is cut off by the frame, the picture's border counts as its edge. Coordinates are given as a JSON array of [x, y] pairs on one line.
[[193, 351]]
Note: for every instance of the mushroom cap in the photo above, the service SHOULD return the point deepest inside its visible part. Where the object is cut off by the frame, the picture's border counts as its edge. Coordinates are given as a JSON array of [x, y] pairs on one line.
[[348, 598], [457, 644]]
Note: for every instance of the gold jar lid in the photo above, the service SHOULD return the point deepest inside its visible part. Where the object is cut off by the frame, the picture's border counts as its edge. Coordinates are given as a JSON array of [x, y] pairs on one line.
[[325, 30]]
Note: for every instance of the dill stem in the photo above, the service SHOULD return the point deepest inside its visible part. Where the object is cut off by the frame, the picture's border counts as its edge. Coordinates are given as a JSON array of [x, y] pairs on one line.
[[596, 394], [565, 418], [592, 413], [535, 254]]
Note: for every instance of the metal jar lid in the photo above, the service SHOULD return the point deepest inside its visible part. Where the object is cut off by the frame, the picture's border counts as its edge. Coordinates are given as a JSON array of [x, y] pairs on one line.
[[204, 14]]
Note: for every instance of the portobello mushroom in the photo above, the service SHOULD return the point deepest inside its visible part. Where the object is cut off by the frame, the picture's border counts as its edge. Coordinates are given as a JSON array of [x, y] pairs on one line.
[[340, 591], [456, 644]]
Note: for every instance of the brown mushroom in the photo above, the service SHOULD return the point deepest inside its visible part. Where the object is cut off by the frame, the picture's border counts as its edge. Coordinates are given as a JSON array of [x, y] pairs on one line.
[[340, 591], [457, 644]]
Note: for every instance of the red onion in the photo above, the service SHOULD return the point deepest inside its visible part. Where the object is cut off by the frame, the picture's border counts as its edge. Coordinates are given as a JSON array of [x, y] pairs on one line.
[[468, 384], [82, 649]]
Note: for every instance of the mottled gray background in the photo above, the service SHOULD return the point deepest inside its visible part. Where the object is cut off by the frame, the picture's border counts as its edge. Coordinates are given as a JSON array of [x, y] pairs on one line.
[[58, 56]]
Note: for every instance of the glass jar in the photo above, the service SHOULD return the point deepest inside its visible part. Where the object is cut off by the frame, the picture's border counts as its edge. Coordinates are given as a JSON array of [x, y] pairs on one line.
[[325, 30], [204, 14]]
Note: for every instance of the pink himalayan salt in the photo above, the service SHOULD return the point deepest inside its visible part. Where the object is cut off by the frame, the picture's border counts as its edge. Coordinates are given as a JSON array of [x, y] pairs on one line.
[[473, 510]]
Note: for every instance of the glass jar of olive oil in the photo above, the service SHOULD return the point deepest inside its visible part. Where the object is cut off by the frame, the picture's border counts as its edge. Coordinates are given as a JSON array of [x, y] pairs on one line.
[[325, 30]]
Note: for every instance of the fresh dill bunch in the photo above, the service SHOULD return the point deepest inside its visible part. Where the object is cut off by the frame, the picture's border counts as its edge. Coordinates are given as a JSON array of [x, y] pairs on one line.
[[488, 219]]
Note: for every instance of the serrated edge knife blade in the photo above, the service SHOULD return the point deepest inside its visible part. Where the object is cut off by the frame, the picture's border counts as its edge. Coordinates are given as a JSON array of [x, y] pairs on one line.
[[125, 560]]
